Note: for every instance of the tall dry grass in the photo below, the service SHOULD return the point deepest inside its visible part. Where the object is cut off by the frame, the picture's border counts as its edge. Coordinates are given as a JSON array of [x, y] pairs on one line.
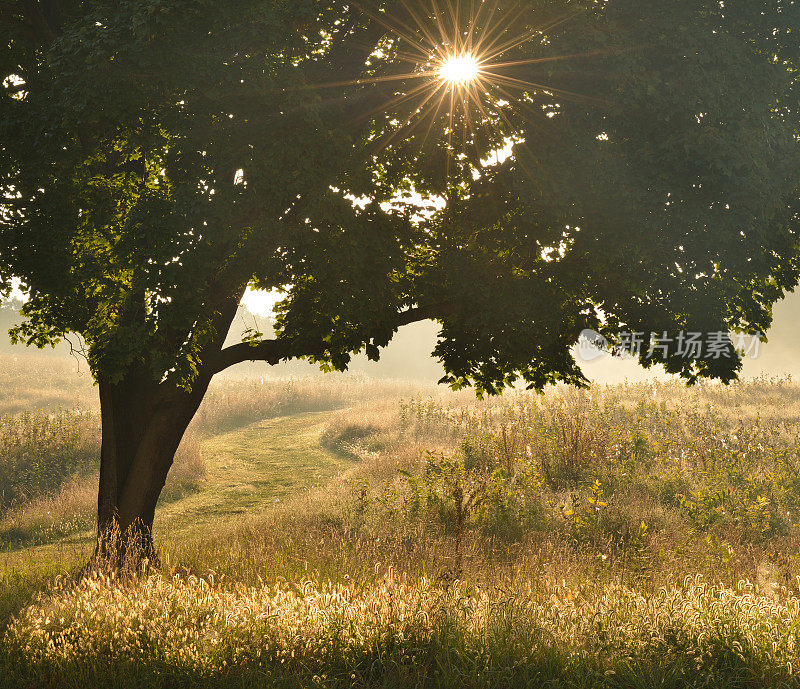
[[233, 403], [49, 459], [49, 465], [29, 382], [39, 451], [640, 483], [166, 632]]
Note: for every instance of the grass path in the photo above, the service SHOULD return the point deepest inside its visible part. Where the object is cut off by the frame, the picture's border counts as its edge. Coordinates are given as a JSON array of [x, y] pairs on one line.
[[247, 470], [251, 468]]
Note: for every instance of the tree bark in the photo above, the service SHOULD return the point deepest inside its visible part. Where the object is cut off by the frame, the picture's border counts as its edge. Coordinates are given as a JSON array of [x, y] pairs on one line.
[[143, 423]]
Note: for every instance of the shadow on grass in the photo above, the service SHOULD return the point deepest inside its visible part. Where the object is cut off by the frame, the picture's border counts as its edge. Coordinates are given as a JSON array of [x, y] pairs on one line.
[[19, 538], [409, 664]]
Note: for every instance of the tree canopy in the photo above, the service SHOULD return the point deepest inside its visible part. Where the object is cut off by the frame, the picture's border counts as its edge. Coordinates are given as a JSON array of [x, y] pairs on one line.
[[158, 157]]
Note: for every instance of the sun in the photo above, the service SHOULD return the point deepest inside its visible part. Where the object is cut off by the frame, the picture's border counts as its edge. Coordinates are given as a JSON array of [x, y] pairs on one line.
[[459, 70], [467, 62]]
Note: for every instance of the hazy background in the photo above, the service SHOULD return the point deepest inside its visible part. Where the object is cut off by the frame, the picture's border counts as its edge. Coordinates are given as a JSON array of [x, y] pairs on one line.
[[408, 356]]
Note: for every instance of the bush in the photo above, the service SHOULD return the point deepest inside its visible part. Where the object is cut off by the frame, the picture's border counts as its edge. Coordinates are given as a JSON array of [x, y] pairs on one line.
[[353, 439], [483, 485]]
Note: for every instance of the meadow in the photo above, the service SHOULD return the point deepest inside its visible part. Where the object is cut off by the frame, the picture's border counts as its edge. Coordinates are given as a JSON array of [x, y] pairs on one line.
[[343, 532]]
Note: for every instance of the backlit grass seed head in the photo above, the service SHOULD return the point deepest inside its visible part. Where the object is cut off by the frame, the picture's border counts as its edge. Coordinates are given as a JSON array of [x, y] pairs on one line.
[[203, 627]]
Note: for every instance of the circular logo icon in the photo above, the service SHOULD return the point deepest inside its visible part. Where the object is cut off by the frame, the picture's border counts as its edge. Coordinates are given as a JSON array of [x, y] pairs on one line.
[[592, 346]]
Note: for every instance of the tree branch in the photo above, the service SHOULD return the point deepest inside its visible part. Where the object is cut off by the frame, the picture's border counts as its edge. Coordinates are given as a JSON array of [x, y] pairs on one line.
[[275, 351]]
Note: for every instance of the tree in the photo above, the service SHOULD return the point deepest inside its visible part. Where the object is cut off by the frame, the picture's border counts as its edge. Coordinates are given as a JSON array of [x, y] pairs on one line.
[[158, 157]]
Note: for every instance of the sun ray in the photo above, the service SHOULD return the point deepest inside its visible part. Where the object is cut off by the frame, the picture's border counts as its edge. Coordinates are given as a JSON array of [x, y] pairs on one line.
[[368, 80], [487, 25], [398, 100], [430, 37], [453, 7], [435, 116], [450, 131], [395, 49], [421, 31], [479, 103], [527, 148], [446, 40], [558, 58], [386, 24], [493, 50], [464, 127], [405, 127], [461, 80], [501, 29], [470, 98], [408, 57], [473, 18], [467, 32], [553, 128], [492, 126], [525, 105], [520, 83]]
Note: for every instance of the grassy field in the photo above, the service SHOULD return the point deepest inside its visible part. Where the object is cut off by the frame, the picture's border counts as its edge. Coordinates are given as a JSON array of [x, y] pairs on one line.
[[340, 532]]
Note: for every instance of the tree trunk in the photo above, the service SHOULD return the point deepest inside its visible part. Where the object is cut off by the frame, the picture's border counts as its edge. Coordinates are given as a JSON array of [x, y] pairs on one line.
[[143, 423]]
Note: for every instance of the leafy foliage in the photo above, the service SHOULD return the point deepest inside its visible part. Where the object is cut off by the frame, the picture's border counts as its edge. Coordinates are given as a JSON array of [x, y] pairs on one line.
[[158, 157]]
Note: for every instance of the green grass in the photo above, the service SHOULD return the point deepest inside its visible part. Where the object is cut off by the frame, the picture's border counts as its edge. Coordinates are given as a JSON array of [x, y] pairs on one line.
[[252, 468]]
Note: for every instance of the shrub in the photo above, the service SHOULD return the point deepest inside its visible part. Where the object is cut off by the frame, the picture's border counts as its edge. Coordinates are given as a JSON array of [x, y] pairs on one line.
[[353, 438]]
